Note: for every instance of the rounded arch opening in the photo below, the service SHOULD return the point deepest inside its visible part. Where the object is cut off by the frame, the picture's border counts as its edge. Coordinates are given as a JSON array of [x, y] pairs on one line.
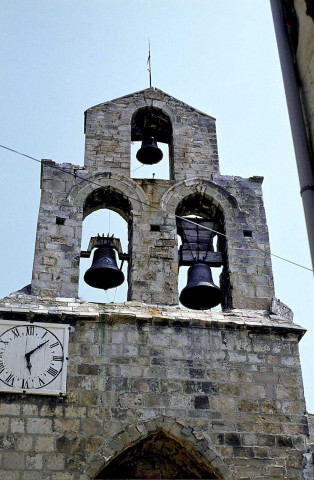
[[107, 197], [106, 212], [148, 122], [201, 240]]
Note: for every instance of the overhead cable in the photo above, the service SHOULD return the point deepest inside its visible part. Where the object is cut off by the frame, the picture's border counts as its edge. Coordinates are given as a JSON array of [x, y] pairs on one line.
[[74, 174]]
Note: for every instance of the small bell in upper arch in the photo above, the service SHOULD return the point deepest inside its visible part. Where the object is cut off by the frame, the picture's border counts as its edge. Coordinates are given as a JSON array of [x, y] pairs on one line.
[[149, 153]]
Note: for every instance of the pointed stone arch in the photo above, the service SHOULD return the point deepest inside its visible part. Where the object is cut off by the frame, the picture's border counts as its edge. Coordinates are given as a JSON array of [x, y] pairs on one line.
[[190, 453], [157, 456]]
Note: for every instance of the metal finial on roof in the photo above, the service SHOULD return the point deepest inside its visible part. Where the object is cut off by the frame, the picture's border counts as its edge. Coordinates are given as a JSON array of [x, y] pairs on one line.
[[149, 66]]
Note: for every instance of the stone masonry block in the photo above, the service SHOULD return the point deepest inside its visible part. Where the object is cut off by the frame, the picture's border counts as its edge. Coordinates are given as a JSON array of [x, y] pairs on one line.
[[24, 443], [55, 462], [13, 461], [10, 409], [38, 425], [67, 426], [34, 461]]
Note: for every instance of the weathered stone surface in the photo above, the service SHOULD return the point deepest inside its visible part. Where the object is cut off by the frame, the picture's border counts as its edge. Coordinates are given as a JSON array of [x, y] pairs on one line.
[[218, 395]]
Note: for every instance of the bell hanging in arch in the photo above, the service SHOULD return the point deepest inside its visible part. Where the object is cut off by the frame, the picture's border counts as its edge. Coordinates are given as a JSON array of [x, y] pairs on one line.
[[200, 292], [104, 272], [149, 153]]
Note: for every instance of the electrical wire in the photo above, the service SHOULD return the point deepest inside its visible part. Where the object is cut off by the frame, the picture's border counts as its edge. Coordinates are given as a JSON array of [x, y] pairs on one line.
[[74, 174], [137, 168]]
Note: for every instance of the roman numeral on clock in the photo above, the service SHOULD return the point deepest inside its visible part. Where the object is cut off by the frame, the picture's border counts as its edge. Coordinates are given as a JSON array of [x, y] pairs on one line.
[[41, 382], [16, 333], [24, 383], [57, 358], [52, 371], [10, 379], [53, 345], [30, 330]]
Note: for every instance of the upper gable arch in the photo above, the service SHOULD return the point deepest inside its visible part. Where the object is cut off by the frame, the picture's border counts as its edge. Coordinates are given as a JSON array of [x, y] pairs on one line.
[[131, 110], [145, 118]]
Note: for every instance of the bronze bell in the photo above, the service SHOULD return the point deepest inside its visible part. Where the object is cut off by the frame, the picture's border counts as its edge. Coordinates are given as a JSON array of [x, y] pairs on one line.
[[104, 272], [149, 153], [200, 292]]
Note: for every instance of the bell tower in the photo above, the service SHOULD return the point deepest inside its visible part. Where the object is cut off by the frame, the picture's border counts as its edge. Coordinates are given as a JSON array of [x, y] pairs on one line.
[[228, 210], [146, 388]]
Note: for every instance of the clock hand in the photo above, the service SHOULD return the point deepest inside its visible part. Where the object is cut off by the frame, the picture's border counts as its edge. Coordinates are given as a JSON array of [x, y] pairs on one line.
[[28, 363], [27, 355]]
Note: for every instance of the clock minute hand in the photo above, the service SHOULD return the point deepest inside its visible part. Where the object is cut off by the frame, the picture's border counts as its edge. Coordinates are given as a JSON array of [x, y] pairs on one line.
[[27, 355]]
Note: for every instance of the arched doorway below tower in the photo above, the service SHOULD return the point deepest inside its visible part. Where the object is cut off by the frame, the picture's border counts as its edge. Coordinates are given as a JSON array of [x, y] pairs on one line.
[[157, 457]]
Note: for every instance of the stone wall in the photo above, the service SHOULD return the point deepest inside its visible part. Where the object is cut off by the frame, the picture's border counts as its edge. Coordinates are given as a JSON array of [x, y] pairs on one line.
[[225, 387]]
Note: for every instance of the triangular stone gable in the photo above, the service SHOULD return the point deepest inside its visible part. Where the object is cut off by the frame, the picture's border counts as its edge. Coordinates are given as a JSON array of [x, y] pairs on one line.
[[154, 94]]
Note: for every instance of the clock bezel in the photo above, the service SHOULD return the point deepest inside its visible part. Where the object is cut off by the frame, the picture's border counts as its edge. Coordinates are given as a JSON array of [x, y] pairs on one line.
[[58, 385]]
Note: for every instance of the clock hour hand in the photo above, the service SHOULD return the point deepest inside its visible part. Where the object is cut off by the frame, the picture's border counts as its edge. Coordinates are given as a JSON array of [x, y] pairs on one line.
[[28, 355], [28, 363]]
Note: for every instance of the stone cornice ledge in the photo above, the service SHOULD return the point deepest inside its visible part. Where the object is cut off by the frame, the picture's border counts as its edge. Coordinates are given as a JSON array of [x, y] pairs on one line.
[[32, 308]]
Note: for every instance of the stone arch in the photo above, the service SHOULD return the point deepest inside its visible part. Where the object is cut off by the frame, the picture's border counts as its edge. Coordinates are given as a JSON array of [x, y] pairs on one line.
[[157, 455], [141, 124], [220, 195], [156, 103], [114, 192], [108, 197], [130, 189], [153, 122], [227, 210], [171, 112], [181, 437]]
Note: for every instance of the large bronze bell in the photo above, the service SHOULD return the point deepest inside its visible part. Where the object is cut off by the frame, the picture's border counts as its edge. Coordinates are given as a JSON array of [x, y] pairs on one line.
[[200, 292], [149, 153], [104, 272]]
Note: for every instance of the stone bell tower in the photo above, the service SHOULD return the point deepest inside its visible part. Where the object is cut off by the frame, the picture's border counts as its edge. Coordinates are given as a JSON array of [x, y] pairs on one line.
[[233, 205], [151, 390]]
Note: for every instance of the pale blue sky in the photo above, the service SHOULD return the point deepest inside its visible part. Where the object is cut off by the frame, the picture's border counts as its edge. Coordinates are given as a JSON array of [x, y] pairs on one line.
[[61, 57]]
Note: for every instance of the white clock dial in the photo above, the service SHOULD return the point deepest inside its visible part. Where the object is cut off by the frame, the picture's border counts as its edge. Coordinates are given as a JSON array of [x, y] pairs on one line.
[[31, 358]]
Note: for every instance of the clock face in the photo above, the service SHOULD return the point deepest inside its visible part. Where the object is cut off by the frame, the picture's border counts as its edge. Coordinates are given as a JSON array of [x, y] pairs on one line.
[[33, 357]]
